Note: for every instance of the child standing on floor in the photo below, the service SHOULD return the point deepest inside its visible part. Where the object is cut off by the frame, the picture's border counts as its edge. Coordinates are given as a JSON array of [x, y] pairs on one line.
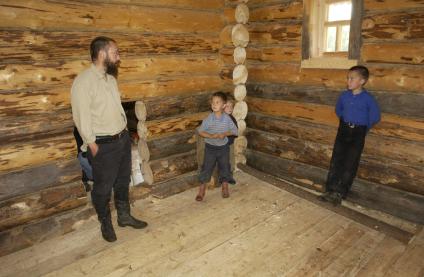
[[358, 111], [215, 129], [228, 109]]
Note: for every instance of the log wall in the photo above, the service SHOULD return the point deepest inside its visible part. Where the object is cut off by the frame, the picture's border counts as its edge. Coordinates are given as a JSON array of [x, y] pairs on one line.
[[291, 109], [170, 61]]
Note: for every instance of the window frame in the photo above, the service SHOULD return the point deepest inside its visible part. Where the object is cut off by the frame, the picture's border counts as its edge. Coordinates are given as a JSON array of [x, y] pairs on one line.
[[313, 43]]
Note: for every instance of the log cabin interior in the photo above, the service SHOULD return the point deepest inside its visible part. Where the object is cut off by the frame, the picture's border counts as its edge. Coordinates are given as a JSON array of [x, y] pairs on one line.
[[270, 55]]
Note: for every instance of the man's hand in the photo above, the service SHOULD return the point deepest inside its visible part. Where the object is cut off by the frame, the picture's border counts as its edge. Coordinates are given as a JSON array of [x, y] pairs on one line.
[[94, 148]]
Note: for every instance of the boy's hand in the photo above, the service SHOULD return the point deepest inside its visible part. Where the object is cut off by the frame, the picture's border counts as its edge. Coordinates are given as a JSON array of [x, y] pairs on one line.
[[221, 135]]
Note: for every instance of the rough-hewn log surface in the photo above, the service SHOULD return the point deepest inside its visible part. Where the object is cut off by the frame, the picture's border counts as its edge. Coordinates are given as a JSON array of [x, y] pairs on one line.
[[32, 153], [390, 172], [29, 46], [400, 103], [391, 125], [157, 128], [41, 204], [30, 180], [177, 143], [45, 74], [103, 17], [173, 166]]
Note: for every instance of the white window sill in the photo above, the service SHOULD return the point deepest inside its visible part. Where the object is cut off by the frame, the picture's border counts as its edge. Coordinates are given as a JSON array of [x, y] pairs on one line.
[[328, 62]]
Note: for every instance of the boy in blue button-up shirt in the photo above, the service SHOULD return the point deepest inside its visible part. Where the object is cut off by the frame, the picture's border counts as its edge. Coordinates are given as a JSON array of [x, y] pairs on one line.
[[358, 111]]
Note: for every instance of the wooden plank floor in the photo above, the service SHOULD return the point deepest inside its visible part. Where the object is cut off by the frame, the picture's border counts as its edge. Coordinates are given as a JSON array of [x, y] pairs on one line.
[[260, 230]]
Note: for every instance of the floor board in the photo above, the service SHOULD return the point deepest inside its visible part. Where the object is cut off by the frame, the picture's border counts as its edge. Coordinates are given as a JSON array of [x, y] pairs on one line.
[[261, 230]]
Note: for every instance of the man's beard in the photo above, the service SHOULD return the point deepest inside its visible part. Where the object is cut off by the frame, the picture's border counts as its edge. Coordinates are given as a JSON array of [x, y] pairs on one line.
[[111, 67]]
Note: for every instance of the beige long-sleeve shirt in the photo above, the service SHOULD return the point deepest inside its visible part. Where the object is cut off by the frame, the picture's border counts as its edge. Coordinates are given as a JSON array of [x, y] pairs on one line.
[[96, 105]]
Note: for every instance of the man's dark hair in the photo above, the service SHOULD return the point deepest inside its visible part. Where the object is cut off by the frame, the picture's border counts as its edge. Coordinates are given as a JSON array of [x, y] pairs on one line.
[[97, 44], [362, 70], [221, 95]]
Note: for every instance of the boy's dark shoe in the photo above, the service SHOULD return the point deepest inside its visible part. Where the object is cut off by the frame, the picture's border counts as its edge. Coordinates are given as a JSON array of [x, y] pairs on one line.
[[108, 233], [336, 198]]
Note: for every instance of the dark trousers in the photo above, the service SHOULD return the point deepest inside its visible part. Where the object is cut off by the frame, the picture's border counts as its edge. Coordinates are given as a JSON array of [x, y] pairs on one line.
[[216, 155], [345, 158], [111, 170]]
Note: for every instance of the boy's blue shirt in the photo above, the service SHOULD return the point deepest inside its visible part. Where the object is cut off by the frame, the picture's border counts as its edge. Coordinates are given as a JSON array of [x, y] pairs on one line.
[[359, 109], [214, 125]]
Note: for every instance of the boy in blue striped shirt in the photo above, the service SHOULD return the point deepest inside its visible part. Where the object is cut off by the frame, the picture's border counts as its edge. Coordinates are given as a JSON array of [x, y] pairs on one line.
[[358, 111], [215, 129]]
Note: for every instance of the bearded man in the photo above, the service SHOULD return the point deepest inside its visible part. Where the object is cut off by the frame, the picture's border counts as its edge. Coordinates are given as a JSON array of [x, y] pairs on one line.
[[101, 121]]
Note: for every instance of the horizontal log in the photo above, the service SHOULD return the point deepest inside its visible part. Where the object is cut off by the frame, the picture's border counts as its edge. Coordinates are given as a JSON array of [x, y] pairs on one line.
[[394, 26], [177, 143], [268, 33], [240, 35], [239, 55], [386, 172], [402, 204], [240, 92], [176, 185], [17, 129], [44, 74], [104, 17], [263, 34], [143, 151], [187, 4], [37, 101], [240, 74], [32, 153], [378, 147], [157, 128], [383, 77], [165, 107], [37, 178], [386, 5], [160, 107], [281, 53], [399, 103], [241, 13], [41, 204], [390, 125], [27, 46], [270, 12], [173, 166], [405, 53], [180, 85], [24, 236]]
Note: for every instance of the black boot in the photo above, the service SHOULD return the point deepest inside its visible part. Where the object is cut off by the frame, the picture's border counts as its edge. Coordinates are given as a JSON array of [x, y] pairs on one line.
[[108, 233], [125, 218]]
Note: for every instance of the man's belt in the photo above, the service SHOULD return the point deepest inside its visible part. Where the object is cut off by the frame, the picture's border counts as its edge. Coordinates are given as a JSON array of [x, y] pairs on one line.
[[109, 139]]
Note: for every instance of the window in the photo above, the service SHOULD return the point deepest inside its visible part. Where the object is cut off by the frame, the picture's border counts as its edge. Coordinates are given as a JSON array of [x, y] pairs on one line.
[[331, 33]]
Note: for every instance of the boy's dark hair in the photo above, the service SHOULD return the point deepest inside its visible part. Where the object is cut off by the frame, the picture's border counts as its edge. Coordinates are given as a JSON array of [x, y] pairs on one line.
[[362, 70], [97, 44], [221, 95]]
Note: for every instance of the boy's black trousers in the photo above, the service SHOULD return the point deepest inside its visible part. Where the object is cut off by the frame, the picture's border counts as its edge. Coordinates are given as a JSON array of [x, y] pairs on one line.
[[345, 159], [216, 155]]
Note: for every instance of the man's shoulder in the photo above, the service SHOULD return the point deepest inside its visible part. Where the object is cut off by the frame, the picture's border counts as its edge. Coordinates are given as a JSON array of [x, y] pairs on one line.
[[85, 76]]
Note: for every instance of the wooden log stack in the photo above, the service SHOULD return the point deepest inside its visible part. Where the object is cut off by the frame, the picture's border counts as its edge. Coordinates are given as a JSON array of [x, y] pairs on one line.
[[240, 39]]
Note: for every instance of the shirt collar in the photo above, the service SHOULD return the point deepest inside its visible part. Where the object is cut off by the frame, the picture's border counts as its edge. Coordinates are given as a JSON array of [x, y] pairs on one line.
[[216, 118]]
